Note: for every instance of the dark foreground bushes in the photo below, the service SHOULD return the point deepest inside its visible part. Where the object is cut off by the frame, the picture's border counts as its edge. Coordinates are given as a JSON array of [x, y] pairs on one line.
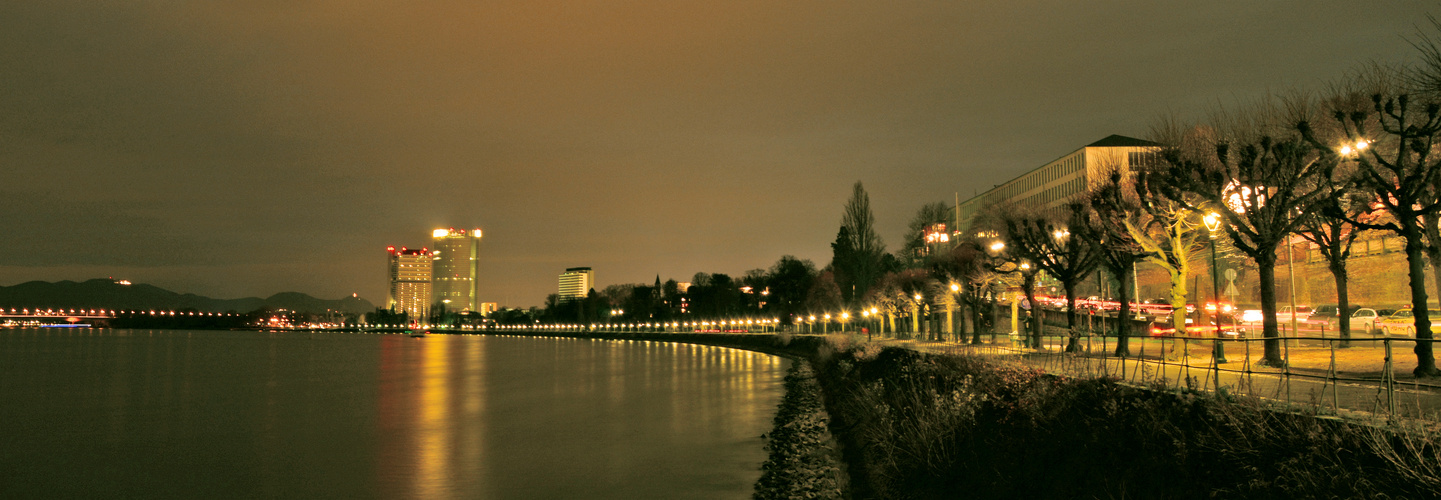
[[919, 426]]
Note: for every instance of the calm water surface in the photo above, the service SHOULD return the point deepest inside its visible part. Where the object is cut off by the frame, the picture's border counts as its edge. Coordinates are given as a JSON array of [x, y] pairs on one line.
[[86, 413]]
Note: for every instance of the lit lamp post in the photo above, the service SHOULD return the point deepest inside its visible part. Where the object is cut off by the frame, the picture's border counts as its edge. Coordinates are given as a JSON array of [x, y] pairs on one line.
[[951, 305], [844, 316], [812, 328], [1218, 350], [826, 327], [867, 315], [916, 318], [875, 320]]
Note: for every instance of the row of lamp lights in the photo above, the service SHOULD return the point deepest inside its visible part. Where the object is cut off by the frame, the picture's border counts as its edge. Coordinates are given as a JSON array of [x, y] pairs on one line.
[[111, 312]]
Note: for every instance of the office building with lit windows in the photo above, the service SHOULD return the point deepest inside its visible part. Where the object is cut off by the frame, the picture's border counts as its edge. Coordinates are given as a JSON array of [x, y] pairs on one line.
[[575, 283], [1050, 187], [410, 287], [454, 276]]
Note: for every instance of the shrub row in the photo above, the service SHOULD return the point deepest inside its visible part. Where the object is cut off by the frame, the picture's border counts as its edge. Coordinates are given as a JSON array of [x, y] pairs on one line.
[[923, 426]]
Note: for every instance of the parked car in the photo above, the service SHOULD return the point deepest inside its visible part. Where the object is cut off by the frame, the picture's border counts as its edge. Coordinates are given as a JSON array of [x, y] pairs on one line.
[[1401, 322], [1285, 314], [1364, 320], [1327, 316]]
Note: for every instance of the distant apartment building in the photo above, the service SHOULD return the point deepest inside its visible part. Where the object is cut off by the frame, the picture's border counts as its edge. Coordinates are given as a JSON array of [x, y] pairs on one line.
[[410, 286], [575, 283], [454, 275], [1049, 187]]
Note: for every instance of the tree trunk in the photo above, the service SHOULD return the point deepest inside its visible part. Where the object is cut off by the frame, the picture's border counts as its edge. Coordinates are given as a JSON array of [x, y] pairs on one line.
[[1030, 287], [891, 318], [1266, 270], [916, 322], [976, 322], [1343, 300], [1073, 344], [1123, 315], [1177, 349], [1425, 358]]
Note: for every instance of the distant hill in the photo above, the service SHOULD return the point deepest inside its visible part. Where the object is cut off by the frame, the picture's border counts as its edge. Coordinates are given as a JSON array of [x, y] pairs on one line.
[[107, 294]]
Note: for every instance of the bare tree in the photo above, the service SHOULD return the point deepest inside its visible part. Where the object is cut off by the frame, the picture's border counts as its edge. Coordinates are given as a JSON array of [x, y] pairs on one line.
[[1391, 140], [1260, 180], [1112, 204], [1051, 247], [979, 281], [992, 225], [1330, 229], [1169, 234]]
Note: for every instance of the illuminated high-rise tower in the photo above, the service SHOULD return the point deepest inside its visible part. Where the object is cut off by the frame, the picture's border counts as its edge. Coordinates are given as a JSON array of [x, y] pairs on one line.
[[575, 283], [454, 276], [410, 282]]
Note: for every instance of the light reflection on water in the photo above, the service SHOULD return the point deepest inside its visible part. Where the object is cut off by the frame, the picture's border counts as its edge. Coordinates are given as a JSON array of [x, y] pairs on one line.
[[244, 414]]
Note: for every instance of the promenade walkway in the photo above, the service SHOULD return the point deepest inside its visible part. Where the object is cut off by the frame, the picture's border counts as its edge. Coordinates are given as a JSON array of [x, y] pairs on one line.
[[1372, 377]]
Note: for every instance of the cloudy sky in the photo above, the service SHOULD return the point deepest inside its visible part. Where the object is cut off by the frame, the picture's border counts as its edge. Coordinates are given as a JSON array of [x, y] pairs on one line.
[[246, 148]]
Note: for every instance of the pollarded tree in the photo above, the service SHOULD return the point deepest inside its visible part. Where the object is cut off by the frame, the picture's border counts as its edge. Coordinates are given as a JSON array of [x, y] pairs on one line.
[[1050, 246], [1112, 204], [1329, 227], [991, 227], [887, 298], [1260, 180], [972, 269], [1392, 141], [1169, 234]]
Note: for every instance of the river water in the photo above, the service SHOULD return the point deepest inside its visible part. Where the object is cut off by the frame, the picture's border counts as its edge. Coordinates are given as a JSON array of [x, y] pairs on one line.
[[191, 414]]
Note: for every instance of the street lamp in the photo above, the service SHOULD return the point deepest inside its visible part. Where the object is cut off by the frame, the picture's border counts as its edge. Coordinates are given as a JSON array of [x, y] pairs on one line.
[[1218, 350], [951, 303], [867, 315], [875, 319], [916, 317], [1347, 150]]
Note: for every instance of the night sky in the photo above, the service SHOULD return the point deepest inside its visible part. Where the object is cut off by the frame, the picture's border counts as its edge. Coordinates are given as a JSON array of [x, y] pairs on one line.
[[268, 146]]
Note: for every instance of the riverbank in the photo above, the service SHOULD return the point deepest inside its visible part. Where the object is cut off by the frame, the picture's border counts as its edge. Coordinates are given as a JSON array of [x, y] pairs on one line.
[[918, 425]]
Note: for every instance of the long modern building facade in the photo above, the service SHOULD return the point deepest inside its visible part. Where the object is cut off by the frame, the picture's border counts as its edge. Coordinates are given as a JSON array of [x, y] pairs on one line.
[[455, 273], [1062, 180], [410, 285], [575, 283]]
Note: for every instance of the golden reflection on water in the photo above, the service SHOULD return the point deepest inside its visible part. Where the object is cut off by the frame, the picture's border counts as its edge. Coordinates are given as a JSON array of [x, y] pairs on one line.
[[461, 422], [433, 426]]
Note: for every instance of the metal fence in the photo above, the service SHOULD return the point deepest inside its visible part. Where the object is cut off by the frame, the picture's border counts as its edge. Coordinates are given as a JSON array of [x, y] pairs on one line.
[[1324, 374]]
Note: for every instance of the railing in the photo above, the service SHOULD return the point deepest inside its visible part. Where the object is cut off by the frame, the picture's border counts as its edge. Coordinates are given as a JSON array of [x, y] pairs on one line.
[[1363, 379]]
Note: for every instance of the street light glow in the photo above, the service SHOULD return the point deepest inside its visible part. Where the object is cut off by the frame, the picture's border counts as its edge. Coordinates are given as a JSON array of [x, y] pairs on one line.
[[1213, 221]]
